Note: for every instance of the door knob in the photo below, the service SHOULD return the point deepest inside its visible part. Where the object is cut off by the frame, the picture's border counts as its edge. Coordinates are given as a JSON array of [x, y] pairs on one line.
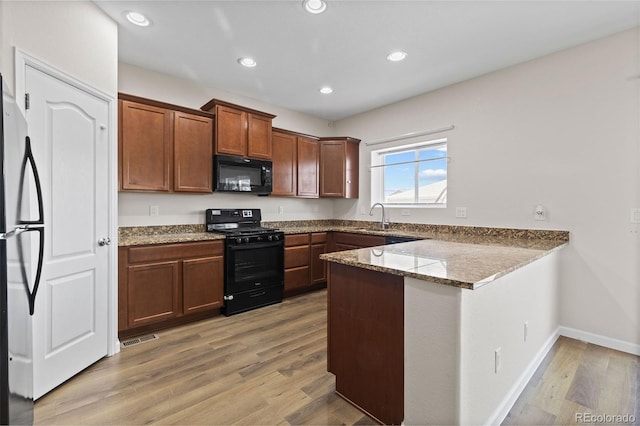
[[104, 241]]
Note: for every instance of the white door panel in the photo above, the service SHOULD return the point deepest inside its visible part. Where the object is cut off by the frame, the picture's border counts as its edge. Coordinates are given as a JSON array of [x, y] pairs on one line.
[[69, 133]]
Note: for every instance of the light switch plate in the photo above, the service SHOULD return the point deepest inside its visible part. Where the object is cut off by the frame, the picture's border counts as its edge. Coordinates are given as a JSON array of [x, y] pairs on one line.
[[635, 215], [461, 212]]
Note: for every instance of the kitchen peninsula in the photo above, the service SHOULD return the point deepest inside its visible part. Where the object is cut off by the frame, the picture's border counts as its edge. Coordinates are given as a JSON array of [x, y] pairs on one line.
[[441, 331]]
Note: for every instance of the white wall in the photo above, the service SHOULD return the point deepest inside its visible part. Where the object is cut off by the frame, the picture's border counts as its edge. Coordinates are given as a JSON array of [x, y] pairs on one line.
[[562, 131], [189, 208], [73, 36]]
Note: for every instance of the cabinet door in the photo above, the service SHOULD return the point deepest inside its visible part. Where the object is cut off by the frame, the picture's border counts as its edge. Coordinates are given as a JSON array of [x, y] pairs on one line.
[[145, 147], [231, 131], [332, 169], [308, 167], [202, 284], [259, 137], [318, 266], [284, 164], [193, 153], [153, 292]]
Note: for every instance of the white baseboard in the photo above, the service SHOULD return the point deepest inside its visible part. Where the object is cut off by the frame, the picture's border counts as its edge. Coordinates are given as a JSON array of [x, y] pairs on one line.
[[596, 339], [501, 411]]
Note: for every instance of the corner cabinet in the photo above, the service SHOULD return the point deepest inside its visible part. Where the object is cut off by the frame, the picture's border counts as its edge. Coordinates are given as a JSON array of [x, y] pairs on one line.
[[240, 131], [339, 167], [163, 147], [296, 159], [167, 284]]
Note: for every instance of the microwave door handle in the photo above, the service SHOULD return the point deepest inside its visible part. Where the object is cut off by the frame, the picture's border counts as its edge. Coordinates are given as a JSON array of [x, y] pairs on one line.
[[263, 176]]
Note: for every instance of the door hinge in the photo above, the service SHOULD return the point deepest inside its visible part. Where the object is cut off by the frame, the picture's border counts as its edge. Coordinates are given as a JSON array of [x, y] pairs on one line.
[[26, 101]]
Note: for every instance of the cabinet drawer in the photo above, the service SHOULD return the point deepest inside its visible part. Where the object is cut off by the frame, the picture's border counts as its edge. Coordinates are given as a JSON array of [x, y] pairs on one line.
[[296, 240], [296, 256], [297, 277], [153, 253], [359, 240], [318, 237]]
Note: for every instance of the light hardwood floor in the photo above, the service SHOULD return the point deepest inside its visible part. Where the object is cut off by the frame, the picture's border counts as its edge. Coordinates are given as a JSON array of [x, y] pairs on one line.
[[268, 367]]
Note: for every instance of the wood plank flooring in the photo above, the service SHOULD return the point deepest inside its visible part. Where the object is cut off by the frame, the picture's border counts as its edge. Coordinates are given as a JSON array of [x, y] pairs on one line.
[[268, 367], [576, 380]]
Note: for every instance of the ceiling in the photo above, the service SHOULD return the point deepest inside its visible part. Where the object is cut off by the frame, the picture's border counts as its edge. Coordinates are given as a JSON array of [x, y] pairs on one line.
[[346, 46]]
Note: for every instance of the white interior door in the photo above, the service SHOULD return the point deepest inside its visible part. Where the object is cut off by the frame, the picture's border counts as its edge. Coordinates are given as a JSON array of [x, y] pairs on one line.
[[69, 133]]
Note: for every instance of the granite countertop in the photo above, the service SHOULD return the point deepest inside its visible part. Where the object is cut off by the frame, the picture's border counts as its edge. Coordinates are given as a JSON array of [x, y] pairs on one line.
[[461, 256], [467, 265]]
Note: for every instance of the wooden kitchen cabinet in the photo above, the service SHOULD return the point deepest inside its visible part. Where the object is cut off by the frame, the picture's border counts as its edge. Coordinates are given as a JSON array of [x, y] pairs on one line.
[[144, 147], [164, 147], [348, 241], [295, 164], [296, 261], [339, 164], [318, 266], [240, 131], [167, 284]]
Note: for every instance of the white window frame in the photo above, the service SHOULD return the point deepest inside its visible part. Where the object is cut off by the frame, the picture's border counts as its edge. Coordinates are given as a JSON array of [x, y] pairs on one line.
[[377, 172]]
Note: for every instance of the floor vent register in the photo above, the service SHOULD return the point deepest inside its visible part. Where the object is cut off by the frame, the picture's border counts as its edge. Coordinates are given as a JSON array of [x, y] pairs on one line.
[[138, 340]]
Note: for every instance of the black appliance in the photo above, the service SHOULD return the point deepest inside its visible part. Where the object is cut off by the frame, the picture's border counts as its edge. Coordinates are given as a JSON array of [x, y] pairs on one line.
[[244, 175], [253, 259], [395, 240], [21, 234]]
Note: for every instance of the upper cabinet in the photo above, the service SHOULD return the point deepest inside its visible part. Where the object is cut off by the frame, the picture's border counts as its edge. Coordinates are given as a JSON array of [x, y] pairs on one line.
[[164, 147], [295, 164], [241, 131], [339, 165]]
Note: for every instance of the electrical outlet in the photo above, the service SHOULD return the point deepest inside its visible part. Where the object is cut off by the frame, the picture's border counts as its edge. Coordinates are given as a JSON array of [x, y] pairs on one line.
[[526, 330], [405, 212], [635, 215], [280, 209], [461, 212], [539, 213], [154, 210], [498, 359]]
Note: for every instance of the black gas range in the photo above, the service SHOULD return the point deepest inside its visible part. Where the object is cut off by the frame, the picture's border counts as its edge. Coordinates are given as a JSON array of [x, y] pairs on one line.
[[254, 259]]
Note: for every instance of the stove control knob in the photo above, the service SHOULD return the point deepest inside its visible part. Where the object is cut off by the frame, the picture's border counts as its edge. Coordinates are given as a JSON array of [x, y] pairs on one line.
[[239, 240], [270, 237], [246, 239], [276, 237]]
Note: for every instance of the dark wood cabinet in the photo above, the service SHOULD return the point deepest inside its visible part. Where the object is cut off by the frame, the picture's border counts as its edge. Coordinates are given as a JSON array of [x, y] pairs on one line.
[[318, 266], [296, 261], [308, 167], [348, 241], [193, 153], [285, 161], [163, 147], [159, 284], [240, 131], [144, 147], [295, 164], [366, 340], [339, 165]]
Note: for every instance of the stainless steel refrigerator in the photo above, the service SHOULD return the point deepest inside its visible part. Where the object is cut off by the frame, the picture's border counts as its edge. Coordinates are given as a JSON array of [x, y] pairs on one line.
[[21, 254]]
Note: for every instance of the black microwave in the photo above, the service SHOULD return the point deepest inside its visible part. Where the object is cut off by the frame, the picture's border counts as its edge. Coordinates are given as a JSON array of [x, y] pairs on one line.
[[243, 175]]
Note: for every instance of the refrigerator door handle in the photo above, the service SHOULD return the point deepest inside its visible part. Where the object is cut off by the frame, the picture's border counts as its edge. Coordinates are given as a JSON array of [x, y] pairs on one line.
[[31, 293], [28, 158]]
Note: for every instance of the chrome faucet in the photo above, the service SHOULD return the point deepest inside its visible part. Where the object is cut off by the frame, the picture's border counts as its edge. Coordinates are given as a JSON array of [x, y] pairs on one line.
[[383, 221]]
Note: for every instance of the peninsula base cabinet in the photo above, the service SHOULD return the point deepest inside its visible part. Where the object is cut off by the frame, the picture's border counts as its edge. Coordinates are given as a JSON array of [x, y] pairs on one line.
[[168, 284]]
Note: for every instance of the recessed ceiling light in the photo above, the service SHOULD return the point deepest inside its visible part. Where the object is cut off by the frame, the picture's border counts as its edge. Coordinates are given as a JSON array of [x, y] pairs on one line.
[[138, 19], [314, 6], [396, 56], [247, 62], [326, 90]]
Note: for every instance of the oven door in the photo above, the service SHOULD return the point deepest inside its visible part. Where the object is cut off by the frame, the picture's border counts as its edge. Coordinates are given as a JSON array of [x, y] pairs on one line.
[[253, 266]]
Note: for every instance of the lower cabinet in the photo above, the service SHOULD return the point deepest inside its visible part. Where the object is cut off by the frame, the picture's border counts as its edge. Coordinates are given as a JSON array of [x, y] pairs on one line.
[[162, 285], [348, 241], [303, 267]]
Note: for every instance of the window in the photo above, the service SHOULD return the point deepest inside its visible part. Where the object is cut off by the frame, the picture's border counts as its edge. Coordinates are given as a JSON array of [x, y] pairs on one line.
[[413, 174]]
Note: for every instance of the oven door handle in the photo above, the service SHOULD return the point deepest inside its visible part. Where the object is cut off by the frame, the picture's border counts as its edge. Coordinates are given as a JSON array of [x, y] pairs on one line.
[[254, 246]]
